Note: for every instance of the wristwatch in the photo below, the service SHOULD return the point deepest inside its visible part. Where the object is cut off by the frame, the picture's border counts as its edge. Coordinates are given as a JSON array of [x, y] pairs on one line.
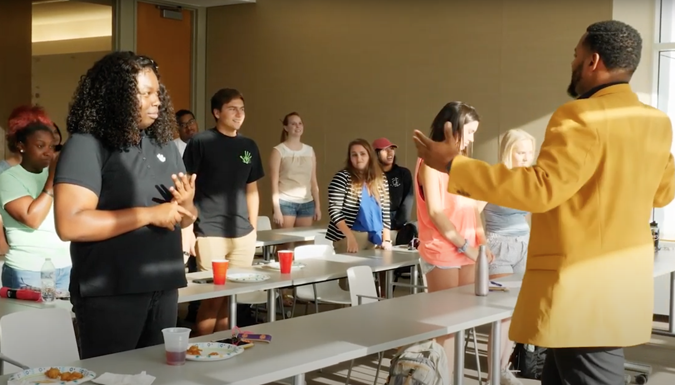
[[464, 247]]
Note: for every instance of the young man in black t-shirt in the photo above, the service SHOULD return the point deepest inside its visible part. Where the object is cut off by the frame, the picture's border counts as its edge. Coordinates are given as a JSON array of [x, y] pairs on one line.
[[228, 166], [401, 195]]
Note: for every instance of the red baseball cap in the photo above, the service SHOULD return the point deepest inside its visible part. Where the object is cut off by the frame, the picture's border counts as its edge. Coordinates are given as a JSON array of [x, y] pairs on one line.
[[382, 143]]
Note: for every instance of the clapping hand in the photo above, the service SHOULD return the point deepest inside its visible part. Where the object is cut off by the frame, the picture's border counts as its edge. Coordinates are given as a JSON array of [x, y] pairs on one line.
[[437, 155], [168, 215], [183, 190]]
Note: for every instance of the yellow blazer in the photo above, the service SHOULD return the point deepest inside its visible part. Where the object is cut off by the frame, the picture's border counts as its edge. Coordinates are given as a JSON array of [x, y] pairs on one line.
[[604, 164]]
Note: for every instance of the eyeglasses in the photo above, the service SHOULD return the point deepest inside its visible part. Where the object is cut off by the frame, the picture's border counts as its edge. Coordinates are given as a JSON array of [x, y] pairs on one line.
[[189, 122]]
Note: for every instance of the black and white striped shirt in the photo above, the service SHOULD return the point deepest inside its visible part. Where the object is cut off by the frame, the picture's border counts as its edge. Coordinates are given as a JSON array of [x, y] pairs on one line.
[[344, 202]]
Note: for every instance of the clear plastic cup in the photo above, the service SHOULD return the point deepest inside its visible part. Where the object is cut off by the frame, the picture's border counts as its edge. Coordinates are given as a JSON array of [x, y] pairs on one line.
[[176, 342]]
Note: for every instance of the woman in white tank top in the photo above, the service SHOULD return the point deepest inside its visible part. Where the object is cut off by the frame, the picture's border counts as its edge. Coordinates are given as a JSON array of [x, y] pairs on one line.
[[295, 191]]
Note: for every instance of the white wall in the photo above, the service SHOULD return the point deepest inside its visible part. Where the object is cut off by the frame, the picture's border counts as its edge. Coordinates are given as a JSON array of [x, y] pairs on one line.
[[641, 14], [54, 93], [59, 47]]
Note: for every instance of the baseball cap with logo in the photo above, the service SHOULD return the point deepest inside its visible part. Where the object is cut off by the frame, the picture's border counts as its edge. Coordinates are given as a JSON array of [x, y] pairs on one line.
[[382, 143]]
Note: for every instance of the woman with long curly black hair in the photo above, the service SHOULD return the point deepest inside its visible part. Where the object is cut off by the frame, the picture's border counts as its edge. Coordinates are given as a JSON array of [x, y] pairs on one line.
[[121, 197]]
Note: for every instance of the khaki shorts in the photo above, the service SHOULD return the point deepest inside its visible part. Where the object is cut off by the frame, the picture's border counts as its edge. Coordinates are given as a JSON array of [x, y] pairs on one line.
[[239, 251], [361, 240]]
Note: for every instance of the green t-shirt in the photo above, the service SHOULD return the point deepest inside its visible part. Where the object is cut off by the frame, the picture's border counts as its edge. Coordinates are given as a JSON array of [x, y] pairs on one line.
[[28, 248]]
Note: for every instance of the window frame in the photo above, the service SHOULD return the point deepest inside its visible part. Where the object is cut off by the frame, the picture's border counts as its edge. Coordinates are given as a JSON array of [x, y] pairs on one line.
[[658, 47]]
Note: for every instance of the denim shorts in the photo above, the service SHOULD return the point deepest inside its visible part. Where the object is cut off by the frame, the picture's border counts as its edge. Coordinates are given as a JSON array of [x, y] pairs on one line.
[[17, 279], [510, 253], [426, 267], [298, 210]]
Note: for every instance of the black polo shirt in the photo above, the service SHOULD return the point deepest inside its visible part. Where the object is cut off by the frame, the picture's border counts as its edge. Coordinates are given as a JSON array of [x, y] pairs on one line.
[[144, 260], [224, 166]]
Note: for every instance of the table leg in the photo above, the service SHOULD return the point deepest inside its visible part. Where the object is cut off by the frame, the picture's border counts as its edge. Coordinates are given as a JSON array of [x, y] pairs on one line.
[[671, 307], [671, 312], [389, 279], [458, 375], [233, 311], [299, 379], [495, 348], [267, 253], [271, 305], [414, 277]]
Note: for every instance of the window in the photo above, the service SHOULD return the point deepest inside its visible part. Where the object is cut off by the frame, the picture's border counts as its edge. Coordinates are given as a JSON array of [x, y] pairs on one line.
[[664, 52], [666, 10]]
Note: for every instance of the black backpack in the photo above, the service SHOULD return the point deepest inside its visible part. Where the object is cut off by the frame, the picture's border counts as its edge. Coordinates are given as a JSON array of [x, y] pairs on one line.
[[405, 236], [528, 360], [407, 233]]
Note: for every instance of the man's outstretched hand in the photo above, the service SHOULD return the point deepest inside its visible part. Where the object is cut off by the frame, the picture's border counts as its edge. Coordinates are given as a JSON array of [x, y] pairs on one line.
[[437, 155]]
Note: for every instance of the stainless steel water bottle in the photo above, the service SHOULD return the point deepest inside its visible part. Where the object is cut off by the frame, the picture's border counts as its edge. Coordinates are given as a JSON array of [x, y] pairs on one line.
[[482, 283]]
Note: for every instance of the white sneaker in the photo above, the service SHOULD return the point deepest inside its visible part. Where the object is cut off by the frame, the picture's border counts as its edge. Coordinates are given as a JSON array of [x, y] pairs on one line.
[[507, 378]]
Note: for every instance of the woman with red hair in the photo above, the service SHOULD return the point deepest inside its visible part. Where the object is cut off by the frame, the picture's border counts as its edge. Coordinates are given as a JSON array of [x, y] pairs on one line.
[[26, 202], [18, 120]]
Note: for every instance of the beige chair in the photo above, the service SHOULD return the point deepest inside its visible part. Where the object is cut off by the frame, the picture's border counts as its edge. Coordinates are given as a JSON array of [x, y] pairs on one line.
[[260, 297], [36, 338], [326, 292]]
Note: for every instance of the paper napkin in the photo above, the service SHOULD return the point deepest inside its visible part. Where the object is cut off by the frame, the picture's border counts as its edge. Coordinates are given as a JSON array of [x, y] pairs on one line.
[[125, 379], [19, 382]]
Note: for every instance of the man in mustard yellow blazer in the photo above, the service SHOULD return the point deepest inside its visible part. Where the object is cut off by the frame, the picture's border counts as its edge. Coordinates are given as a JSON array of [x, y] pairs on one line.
[[604, 164]]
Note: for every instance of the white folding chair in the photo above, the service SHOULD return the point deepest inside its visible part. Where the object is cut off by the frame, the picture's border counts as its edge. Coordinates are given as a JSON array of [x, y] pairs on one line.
[[263, 223], [35, 338], [326, 292], [259, 297], [320, 239]]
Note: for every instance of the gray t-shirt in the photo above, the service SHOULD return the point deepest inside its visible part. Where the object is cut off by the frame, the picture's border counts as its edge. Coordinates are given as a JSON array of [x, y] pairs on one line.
[[505, 221]]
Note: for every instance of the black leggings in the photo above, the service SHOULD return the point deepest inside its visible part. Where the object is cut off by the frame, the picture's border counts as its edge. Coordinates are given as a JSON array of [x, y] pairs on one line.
[[113, 324]]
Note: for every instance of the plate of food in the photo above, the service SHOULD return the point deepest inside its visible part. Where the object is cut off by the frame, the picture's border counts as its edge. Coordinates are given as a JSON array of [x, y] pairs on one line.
[[277, 266], [212, 351], [247, 277], [62, 375]]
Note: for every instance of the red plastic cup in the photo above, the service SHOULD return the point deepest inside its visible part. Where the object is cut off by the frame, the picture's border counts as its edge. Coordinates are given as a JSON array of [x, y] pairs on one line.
[[285, 261], [219, 271]]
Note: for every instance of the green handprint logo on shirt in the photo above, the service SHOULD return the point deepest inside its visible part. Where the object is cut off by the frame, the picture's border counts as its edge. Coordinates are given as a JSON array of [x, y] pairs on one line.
[[246, 158]]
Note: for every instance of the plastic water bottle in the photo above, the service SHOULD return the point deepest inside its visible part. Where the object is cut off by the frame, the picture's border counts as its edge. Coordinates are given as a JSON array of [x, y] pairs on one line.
[[482, 282], [48, 277], [655, 234]]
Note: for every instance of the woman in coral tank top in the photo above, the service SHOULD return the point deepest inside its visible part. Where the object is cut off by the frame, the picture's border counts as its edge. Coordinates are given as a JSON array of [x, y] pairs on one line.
[[449, 225]]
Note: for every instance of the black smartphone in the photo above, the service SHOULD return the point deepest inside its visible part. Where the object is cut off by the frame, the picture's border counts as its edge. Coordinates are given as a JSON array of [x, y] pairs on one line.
[[203, 280]]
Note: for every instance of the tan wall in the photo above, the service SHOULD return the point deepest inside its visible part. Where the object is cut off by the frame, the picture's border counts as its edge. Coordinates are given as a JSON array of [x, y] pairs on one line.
[[57, 47], [383, 68], [54, 92], [15, 45]]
